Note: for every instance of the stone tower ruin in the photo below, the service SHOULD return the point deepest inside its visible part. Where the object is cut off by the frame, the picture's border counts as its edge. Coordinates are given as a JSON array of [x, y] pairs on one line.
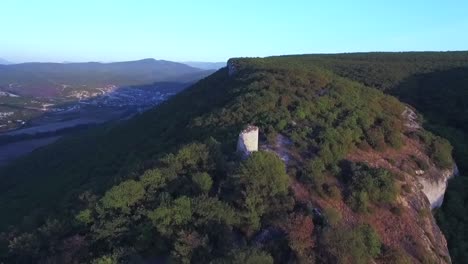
[[248, 140]]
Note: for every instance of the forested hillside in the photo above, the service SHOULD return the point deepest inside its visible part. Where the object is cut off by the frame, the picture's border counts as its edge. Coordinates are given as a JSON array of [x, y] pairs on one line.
[[168, 184], [436, 84], [55, 79], [442, 96]]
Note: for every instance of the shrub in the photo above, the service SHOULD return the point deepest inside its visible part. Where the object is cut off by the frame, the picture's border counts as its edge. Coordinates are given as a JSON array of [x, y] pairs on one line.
[[397, 210], [396, 256], [332, 216], [441, 152], [281, 125], [395, 139], [299, 229], [315, 169], [375, 137], [248, 256], [85, 217], [364, 145], [107, 259], [392, 130], [210, 210], [439, 148], [371, 239], [359, 201], [370, 185], [124, 195], [153, 179], [167, 218], [333, 192], [358, 245], [203, 181]]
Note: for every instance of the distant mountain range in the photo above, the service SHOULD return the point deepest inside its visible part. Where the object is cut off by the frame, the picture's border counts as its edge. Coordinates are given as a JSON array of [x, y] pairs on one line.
[[206, 65], [49, 79], [4, 62]]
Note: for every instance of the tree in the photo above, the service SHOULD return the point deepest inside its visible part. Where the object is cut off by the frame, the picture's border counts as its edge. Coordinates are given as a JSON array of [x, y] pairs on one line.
[[299, 229], [203, 181], [315, 170], [376, 138], [357, 245], [262, 177], [247, 256], [208, 210], [185, 244], [153, 179], [123, 196], [106, 259], [370, 185], [441, 152], [169, 216]]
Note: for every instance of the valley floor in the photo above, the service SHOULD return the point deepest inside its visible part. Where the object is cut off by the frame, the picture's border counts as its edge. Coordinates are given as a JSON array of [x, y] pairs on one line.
[[15, 150]]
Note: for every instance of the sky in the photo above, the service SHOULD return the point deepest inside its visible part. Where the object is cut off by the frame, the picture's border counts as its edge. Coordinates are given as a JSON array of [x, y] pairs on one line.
[[215, 30]]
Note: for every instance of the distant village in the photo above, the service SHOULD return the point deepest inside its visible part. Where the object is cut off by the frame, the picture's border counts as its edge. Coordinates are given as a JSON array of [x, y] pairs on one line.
[[110, 96]]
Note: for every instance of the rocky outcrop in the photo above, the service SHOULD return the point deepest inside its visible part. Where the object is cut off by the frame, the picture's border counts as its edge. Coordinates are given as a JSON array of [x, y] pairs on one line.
[[434, 189], [413, 228], [433, 181], [232, 67], [422, 184], [280, 147], [412, 122]]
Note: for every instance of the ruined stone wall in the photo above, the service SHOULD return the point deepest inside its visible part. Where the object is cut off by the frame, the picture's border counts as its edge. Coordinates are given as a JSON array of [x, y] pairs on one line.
[[248, 141]]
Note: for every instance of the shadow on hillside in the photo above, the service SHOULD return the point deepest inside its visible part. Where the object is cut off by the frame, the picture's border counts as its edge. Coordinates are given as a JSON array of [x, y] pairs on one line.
[[441, 97]]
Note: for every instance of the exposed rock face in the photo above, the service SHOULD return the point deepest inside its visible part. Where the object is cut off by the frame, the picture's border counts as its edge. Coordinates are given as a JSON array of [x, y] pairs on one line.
[[248, 141], [411, 119], [435, 189], [423, 185], [433, 182], [281, 147], [415, 229], [232, 67]]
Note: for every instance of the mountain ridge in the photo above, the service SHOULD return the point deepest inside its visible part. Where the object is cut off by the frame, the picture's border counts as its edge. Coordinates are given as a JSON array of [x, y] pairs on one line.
[[4, 62], [324, 114], [25, 78]]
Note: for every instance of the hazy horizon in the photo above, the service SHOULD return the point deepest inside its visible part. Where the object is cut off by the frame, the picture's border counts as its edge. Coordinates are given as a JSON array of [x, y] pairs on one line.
[[96, 61], [214, 62]]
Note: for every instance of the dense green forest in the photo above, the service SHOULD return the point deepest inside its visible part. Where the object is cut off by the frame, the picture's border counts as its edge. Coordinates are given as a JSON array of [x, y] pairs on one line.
[[168, 185]]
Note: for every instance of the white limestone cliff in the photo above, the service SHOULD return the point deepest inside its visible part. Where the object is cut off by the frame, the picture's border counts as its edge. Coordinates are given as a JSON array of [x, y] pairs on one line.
[[435, 189]]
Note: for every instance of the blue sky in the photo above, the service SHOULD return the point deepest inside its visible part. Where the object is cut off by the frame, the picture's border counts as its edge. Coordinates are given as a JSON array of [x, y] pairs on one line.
[[215, 30]]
